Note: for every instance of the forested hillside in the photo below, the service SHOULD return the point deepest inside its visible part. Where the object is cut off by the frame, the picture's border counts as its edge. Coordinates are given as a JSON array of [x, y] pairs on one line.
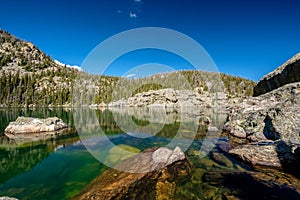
[[29, 77]]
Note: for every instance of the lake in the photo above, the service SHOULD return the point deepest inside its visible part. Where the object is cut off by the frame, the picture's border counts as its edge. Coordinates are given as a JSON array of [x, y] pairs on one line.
[[60, 168]]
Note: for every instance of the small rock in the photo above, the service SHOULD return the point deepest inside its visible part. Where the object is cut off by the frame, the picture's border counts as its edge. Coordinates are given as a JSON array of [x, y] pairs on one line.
[[238, 131], [222, 159], [212, 129]]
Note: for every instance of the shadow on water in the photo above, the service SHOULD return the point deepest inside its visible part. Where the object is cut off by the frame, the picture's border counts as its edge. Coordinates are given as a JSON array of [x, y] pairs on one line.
[[289, 158], [249, 187]]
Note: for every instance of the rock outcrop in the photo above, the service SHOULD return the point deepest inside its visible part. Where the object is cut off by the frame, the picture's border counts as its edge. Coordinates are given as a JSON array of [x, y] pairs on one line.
[[273, 116], [289, 72], [270, 120], [28, 127], [170, 98], [159, 169]]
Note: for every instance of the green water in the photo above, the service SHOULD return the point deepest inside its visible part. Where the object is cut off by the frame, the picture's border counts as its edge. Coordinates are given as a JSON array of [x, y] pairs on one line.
[[61, 168]]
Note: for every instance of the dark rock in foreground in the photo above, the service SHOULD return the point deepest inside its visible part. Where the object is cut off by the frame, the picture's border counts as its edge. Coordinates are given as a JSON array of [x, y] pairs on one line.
[[258, 185], [27, 127], [159, 169], [289, 72]]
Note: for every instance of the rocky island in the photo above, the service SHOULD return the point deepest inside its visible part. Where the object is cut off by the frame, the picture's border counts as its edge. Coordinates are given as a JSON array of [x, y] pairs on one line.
[[35, 128]]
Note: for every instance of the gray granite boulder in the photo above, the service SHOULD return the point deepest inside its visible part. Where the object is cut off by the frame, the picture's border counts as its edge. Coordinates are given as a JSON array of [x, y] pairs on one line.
[[28, 127]]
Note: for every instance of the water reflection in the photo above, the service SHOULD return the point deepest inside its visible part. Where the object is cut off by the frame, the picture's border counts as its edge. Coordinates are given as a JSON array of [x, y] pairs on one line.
[[16, 159], [143, 127], [40, 171]]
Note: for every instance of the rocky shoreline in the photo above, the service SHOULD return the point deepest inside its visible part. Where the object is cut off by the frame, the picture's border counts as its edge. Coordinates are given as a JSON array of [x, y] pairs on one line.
[[269, 122], [177, 99]]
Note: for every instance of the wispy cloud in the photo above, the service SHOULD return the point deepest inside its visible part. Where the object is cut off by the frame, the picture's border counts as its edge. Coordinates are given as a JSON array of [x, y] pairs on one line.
[[136, 9], [132, 15]]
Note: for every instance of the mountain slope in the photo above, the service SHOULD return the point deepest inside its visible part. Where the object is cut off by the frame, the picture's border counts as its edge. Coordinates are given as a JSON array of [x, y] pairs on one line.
[[29, 77]]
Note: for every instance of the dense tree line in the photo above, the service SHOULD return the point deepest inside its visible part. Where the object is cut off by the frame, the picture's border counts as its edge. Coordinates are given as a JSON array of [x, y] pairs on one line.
[[55, 87], [191, 79], [36, 88]]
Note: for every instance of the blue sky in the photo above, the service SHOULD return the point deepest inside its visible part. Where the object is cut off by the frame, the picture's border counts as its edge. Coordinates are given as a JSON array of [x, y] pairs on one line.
[[246, 38]]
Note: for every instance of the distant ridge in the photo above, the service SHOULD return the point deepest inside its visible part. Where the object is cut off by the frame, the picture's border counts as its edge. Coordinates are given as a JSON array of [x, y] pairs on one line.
[[29, 77]]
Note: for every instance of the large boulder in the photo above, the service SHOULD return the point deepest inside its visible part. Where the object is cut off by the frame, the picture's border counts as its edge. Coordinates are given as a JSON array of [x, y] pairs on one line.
[[274, 115], [28, 127], [159, 170], [289, 72], [267, 153]]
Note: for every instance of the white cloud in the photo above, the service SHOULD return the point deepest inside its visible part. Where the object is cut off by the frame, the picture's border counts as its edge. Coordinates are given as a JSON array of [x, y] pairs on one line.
[[137, 1], [130, 75], [70, 66], [132, 15]]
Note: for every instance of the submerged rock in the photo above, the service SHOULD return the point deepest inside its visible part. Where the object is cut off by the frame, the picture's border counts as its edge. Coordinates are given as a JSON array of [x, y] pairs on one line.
[[120, 152], [28, 127], [258, 185], [222, 160], [159, 170]]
